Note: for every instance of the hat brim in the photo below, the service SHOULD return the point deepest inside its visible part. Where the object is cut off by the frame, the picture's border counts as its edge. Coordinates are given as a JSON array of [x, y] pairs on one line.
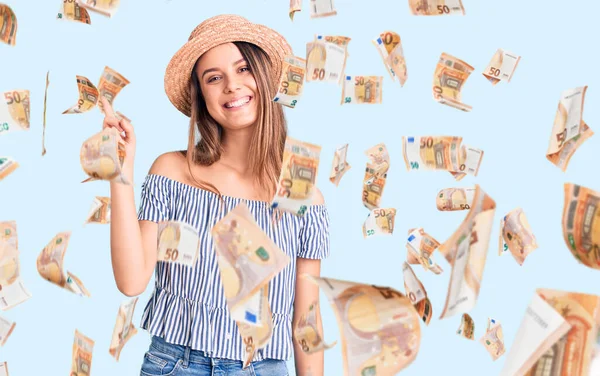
[[227, 29]]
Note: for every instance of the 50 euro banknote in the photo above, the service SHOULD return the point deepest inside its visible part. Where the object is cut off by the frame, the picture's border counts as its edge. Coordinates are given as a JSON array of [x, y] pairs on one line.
[[339, 165], [111, 84], [14, 111], [389, 46], [178, 242], [493, 339], [105, 7], [124, 328], [291, 81], [102, 156], [449, 78], [297, 181], [379, 222], [12, 289], [581, 224], [50, 265], [307, 331], [255, 324], [559, 327], [81, 359], [516, 236], [501, 67], [248, 259], [71, 10], [8, 25], [362, 89], [569, 130], [441, 153], [379, 327], [7, 166], [375, 177], [466, 250], [100, 211], [326, 58], [419, 249], [436, 7]]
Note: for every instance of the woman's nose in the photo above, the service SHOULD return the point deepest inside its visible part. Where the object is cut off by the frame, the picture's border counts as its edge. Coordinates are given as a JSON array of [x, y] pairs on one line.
[[232, 85]]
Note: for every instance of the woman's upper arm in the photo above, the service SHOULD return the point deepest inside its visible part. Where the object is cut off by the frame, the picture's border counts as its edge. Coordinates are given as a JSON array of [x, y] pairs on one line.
[[157, 206]]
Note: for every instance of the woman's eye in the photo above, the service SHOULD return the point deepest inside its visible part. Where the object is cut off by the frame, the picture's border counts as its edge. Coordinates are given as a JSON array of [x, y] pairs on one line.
[[213, 78], [244, 69]]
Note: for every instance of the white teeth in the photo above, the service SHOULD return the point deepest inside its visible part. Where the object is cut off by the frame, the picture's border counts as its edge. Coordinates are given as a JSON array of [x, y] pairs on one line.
[[237, 103]]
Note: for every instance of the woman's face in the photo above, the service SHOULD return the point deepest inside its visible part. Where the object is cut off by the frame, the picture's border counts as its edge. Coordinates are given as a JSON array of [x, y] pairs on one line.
[[228, 87]]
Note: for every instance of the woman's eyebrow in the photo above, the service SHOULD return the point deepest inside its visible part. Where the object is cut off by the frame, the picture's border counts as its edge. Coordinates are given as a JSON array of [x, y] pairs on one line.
[[216, 69]]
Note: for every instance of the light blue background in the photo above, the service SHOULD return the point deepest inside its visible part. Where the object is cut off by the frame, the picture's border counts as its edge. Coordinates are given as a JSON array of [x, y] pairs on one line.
[[510, 122]]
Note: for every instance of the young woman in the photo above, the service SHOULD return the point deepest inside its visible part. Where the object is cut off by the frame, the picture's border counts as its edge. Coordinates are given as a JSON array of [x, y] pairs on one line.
[[224, 79]]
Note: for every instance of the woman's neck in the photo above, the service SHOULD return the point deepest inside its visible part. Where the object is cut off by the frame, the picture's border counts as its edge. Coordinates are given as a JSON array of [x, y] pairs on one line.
[[236, 147]]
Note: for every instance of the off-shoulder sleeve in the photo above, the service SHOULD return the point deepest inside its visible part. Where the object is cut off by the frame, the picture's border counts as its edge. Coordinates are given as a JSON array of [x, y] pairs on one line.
[[314, 235], [154, 205]]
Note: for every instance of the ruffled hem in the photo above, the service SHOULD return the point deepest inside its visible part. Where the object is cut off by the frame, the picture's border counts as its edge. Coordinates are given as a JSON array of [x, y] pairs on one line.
[[209, 329]]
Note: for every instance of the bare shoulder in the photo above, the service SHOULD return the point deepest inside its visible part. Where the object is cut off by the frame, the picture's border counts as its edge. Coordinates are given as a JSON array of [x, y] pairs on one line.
[[318, 198], [171, 165]]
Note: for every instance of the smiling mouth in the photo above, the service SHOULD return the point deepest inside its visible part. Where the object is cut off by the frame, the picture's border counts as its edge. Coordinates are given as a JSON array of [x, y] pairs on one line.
[[238, 102]]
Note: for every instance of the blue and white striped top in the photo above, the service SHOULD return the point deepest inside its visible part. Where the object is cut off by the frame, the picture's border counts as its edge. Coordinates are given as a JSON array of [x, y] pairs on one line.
[[188, 305]]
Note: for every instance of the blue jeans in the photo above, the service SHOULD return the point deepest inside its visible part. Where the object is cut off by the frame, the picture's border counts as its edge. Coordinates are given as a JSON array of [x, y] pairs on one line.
[[166, 359]]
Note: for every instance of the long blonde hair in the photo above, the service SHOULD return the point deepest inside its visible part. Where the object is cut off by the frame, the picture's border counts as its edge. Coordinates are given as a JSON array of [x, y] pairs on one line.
[[268, 140]]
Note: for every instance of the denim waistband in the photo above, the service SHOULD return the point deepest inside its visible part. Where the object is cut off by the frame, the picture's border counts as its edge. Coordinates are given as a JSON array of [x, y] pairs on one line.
[[187, 353]]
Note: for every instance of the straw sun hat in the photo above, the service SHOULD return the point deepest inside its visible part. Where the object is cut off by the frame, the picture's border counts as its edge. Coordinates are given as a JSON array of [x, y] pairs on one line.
[[211, 33]]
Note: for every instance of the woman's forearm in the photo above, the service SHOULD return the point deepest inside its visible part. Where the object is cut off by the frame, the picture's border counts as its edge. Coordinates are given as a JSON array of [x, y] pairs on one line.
[[126, 248], [309, 364]]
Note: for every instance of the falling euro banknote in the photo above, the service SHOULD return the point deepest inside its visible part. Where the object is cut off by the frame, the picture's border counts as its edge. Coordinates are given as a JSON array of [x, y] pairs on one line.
[[493, 339], [8, 25], [291, 81], [559, 327], [389, 46], [441, 153], [326, 58], [569, 130], [307, 332], [102, 156], [297, 181], [375, 175], [380, 221], [466, 250], [516, 236], [379, 327], [339, 166], [106, 8], [50, 265], [178, 242], [502, 67], [581, 224], [436, 7], [449, 78], [419, 249], [111, 84], [100, 211], [81, 359], [14, 111], [124, 328], [72, 11], [362, 89]]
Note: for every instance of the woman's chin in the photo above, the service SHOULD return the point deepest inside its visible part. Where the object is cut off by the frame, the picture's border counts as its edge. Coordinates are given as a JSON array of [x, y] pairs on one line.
[[236, 124]]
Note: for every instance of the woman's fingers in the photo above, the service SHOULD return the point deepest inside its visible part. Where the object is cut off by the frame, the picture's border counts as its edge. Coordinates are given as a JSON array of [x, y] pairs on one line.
[[127, 128], [110, 119], [113, 123], [106, 106]]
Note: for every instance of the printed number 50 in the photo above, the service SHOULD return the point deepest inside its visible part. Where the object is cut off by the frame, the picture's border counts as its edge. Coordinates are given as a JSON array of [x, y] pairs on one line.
[[443, 9], [172, 254]]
